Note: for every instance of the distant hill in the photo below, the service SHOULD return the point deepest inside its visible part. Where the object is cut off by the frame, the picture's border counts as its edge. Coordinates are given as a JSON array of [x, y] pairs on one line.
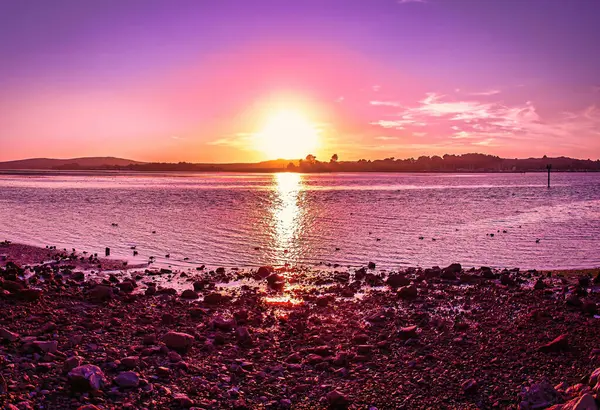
[[73, 163], [472, 162]]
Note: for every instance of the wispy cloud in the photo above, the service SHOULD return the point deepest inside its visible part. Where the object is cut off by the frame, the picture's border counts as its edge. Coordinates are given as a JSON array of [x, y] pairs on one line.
[[410, 1], [385, 103], [385, 138], [493, 124], [486, 93]]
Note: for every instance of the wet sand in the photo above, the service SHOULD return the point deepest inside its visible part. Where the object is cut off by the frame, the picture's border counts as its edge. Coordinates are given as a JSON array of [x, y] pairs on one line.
[[300, 338]]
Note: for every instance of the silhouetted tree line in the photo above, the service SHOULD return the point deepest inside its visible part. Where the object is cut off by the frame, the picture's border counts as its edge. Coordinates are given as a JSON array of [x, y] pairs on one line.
[[447, 163]]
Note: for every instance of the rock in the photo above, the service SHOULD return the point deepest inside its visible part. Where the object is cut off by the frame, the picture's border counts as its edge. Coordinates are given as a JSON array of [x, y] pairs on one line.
[[397, 280], [573, 300], [88, 407], [127, 380], [86, 378], [263, 272], [174, 357], [470, 386], [595, 377], [589, 308], [584, 281], [361, 273], [221, 323], [539, 284], [323, 301], [406, 333], [213, 298], [100, 293], [178, 341], [130, 362], [198, 286], [451, 271], [243, 336], [538, 396], [8, 335], [189, 294], [275, 281], [506, 280], [558, 344], [46, 347], [408, 292], [127, 286], [585, 402], [72, 362], [30, 295], [337, 400], [183, 400], [371, 265]]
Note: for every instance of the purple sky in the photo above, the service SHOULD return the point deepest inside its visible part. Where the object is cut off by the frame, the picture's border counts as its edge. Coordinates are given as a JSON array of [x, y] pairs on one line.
[[193, 80]]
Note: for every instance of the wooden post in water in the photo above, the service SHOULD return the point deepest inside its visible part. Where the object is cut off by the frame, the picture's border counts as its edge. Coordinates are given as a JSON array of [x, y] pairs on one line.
[[107, 252], [549, 167]]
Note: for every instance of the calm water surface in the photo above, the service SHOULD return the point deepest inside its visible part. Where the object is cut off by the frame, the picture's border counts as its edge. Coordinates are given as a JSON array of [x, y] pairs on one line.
[[254, 219]]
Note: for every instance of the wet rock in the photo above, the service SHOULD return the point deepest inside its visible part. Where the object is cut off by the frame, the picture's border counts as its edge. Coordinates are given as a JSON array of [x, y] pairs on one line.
[[8, 335], [86, 378], [323, 301], [506, 280], [100, 293], [539, 284], [30, 295], [451, 271], [397, 280], [213, 298], [127, 380], [360, 274], [189, 294], [584, 281], [337, 400], [275, 281], [127, 286], [263, 272], [178, 341], [559, 344], [371, 265], [408, 292]]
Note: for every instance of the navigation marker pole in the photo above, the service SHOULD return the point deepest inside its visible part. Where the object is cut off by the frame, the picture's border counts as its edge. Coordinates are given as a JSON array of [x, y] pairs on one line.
[[549, 167]]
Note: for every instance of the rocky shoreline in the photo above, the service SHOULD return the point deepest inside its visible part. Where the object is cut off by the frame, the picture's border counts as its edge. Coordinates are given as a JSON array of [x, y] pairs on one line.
[[295, 338]]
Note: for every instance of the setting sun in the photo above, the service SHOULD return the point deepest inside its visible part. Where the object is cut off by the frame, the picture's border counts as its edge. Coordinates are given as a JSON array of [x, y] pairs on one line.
[[287, 134]]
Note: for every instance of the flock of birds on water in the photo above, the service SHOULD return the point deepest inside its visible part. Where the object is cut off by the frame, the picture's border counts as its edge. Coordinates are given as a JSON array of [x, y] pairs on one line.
[[257, 248]]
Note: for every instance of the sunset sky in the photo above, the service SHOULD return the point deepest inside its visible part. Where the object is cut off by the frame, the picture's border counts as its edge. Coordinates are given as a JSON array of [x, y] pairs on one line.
[[202, 80]]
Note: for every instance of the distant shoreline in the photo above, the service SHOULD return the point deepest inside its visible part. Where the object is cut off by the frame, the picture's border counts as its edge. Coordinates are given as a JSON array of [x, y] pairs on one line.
[[92, 172]]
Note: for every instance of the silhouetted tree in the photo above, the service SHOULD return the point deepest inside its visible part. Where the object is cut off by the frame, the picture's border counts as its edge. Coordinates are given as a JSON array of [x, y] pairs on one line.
[[311, 159], [334, 158]]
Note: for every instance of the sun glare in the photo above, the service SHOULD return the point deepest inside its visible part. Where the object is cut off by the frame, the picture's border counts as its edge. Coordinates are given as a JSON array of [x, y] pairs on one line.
[[287, 134]]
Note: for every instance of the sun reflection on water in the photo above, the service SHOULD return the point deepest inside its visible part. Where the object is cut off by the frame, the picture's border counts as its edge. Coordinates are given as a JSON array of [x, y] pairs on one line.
[[287, 215]]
